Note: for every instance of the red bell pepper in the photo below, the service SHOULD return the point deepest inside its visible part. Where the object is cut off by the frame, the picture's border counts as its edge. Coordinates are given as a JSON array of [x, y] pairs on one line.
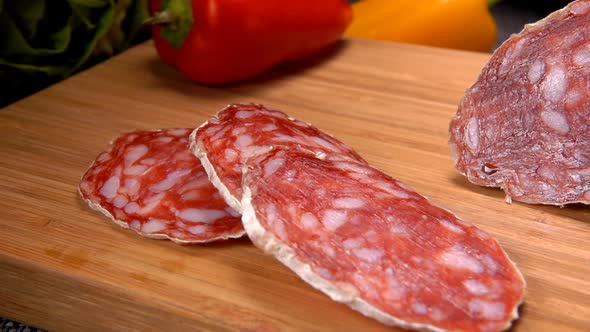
[[219, 41]]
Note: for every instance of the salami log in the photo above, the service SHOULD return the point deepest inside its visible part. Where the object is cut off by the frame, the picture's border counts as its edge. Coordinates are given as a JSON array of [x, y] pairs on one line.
[[150, 182], [524, 126], [242, 130], [370, 241]]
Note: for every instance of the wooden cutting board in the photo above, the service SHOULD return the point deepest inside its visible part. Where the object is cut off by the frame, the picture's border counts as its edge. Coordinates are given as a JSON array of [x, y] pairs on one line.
[[64, 267]]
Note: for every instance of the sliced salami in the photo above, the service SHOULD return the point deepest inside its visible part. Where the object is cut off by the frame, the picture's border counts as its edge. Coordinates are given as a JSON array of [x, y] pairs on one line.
[[370, 241], [242, 130], [150, 182], [524, 126]]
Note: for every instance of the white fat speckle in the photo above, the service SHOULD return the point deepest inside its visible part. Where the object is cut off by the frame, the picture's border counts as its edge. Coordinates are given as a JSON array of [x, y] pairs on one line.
[[390, 189], [573, 96], [110, 187], [250, 151], [309, 221], [371, 236], [475, 287], [324, 273], [218, 135], [348, 203], [153, 225], [135, 224], [394, 294], [454, 152], [333, 219], [131, 208], [200, 181], [211, 130], [191, 195], [238, 130], [368, 255], [103, 157], [352, 167], [579, 8], [269, 127], [511, 53], [244, 114], [457, 258], [177, 132], [171, 179], [230, 155], [536, 71], [451, 226], [271, 213], [364, 285], [201, 215], [185, 156], [581, 56], [198, 230], [329, 251], [272, 166], [490, 264], [556, 121], [399, 230], [232, 212], [472, 134], [134, 153], [120, 201], [546, 172], [151, 203], [135, 170], [243, 141], [419, 308], [85, 187], [482, 234], [290, 174], [285, 138], [298, 122], [148, 161], [487, 310], [164, 139], [555, 84], [437, 314], [353, 243], [279, 228], [322, 142]]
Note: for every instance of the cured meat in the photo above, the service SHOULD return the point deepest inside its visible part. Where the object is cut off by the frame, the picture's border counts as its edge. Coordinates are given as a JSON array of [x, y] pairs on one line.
[[150, 182], [524, 126], [242, 130], [370, 241]]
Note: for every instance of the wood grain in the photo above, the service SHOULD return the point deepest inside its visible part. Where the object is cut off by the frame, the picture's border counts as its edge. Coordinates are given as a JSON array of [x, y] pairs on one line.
[[64, 267]]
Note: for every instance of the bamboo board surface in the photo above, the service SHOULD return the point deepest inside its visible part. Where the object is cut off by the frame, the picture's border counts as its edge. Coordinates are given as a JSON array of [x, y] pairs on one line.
[[64, 267]]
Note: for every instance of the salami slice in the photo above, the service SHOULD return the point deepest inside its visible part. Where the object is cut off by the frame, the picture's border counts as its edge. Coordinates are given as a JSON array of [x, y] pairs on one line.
[[368, 240], [242, 130], [524, 126], [150, 182]]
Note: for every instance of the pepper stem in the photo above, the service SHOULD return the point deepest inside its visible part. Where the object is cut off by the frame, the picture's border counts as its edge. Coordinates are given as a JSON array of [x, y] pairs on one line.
[[176, 19], [161, 18]]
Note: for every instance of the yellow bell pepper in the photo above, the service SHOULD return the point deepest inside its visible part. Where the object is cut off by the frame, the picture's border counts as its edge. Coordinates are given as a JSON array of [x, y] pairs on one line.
[[458, 24]]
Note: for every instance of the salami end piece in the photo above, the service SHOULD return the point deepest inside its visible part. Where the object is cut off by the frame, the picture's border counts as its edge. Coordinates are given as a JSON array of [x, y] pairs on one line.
[[242, 130], [371, 242], [524, 126], [150, 182]]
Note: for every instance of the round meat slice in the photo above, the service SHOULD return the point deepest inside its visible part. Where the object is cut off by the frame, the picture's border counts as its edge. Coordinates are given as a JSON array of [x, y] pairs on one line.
[[524, 126], [150, 182], [243, 130], [368, 240]]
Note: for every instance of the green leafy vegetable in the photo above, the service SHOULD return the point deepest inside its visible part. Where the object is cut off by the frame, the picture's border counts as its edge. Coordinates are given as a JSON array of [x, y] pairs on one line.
[[42, 42]]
